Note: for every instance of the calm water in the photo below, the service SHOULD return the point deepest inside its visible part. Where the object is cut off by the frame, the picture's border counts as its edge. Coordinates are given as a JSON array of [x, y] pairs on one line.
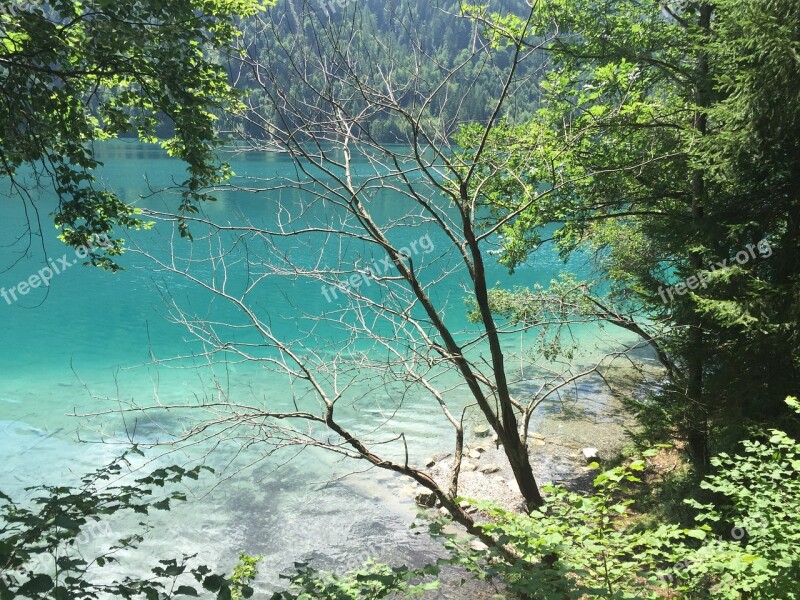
[[88, 341]]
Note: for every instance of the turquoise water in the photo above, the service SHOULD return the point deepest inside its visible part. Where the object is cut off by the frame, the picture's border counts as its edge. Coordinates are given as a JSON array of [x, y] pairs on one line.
[[93, 341]]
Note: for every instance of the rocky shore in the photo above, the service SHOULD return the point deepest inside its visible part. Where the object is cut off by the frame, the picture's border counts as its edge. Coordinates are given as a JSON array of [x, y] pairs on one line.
[[560, 448]]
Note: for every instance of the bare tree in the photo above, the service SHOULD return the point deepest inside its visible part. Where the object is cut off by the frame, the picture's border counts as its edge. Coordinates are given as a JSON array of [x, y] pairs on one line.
[[316, 95], [347, 90]]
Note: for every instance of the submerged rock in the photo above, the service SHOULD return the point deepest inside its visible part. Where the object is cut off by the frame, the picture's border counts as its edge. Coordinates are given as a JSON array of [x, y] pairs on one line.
[[481, 430], [426, 499]]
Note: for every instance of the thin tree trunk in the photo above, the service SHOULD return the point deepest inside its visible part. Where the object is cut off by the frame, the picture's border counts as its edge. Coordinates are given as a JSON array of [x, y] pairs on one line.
[[508, 432], [697, 410], [523, 473]]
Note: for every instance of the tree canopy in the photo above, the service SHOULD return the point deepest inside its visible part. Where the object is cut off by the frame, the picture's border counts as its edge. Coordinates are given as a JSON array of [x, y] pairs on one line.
[[669, 146], [73, 73]]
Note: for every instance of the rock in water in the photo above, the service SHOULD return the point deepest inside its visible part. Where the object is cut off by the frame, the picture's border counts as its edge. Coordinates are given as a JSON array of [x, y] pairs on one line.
[[481, 430], [426, 499], [590, 454], [430, 462]]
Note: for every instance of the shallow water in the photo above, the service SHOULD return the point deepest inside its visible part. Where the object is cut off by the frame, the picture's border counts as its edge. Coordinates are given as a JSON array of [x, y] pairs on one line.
[[87, 342]]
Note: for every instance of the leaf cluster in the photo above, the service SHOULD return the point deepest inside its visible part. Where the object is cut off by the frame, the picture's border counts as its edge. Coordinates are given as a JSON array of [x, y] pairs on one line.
[[75, 73], [47, 544]]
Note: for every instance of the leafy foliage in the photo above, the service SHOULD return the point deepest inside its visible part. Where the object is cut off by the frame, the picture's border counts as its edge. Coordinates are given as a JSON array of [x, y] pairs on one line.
[[744, 545], [243, 575], [41, 542], [372, 582], [666, 143], [551, 311], [74, 73]]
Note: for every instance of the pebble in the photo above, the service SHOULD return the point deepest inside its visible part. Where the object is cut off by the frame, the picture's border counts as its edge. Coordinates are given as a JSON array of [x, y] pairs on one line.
[[590, 454], [478, 546], [481, 430], [486, 469], [426, 499]]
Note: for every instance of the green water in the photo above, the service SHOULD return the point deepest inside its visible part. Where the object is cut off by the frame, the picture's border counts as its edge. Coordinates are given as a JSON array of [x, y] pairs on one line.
[[86, 344]]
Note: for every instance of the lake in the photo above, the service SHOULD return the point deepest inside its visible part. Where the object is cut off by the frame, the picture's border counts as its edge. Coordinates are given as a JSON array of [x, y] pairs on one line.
[[92, 341]]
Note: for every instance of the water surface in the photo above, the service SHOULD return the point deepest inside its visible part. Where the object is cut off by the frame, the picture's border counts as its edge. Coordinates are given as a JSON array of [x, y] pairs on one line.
[[92, 341]]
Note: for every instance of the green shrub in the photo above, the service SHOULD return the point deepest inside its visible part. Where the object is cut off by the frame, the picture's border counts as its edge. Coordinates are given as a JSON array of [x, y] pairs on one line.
[[744, 546], [372, 582], [40, 542]]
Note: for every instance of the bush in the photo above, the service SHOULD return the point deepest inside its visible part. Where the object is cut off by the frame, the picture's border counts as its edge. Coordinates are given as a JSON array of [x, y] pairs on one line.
[[40, 543], [372, 582], [745, 545]]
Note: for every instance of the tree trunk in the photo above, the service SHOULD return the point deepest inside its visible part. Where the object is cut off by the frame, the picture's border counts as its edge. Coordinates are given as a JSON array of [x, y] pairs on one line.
[[697, 411], [507, 428], [521, 466]]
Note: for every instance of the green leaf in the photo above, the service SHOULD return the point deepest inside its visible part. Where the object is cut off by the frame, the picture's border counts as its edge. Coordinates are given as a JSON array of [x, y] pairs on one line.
[[698, 534], [214, 583], [38, 584], [65, 522], [185, 590]]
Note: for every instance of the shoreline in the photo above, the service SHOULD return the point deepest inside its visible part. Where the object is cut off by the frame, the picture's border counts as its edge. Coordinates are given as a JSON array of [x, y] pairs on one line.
[[560, 431]]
